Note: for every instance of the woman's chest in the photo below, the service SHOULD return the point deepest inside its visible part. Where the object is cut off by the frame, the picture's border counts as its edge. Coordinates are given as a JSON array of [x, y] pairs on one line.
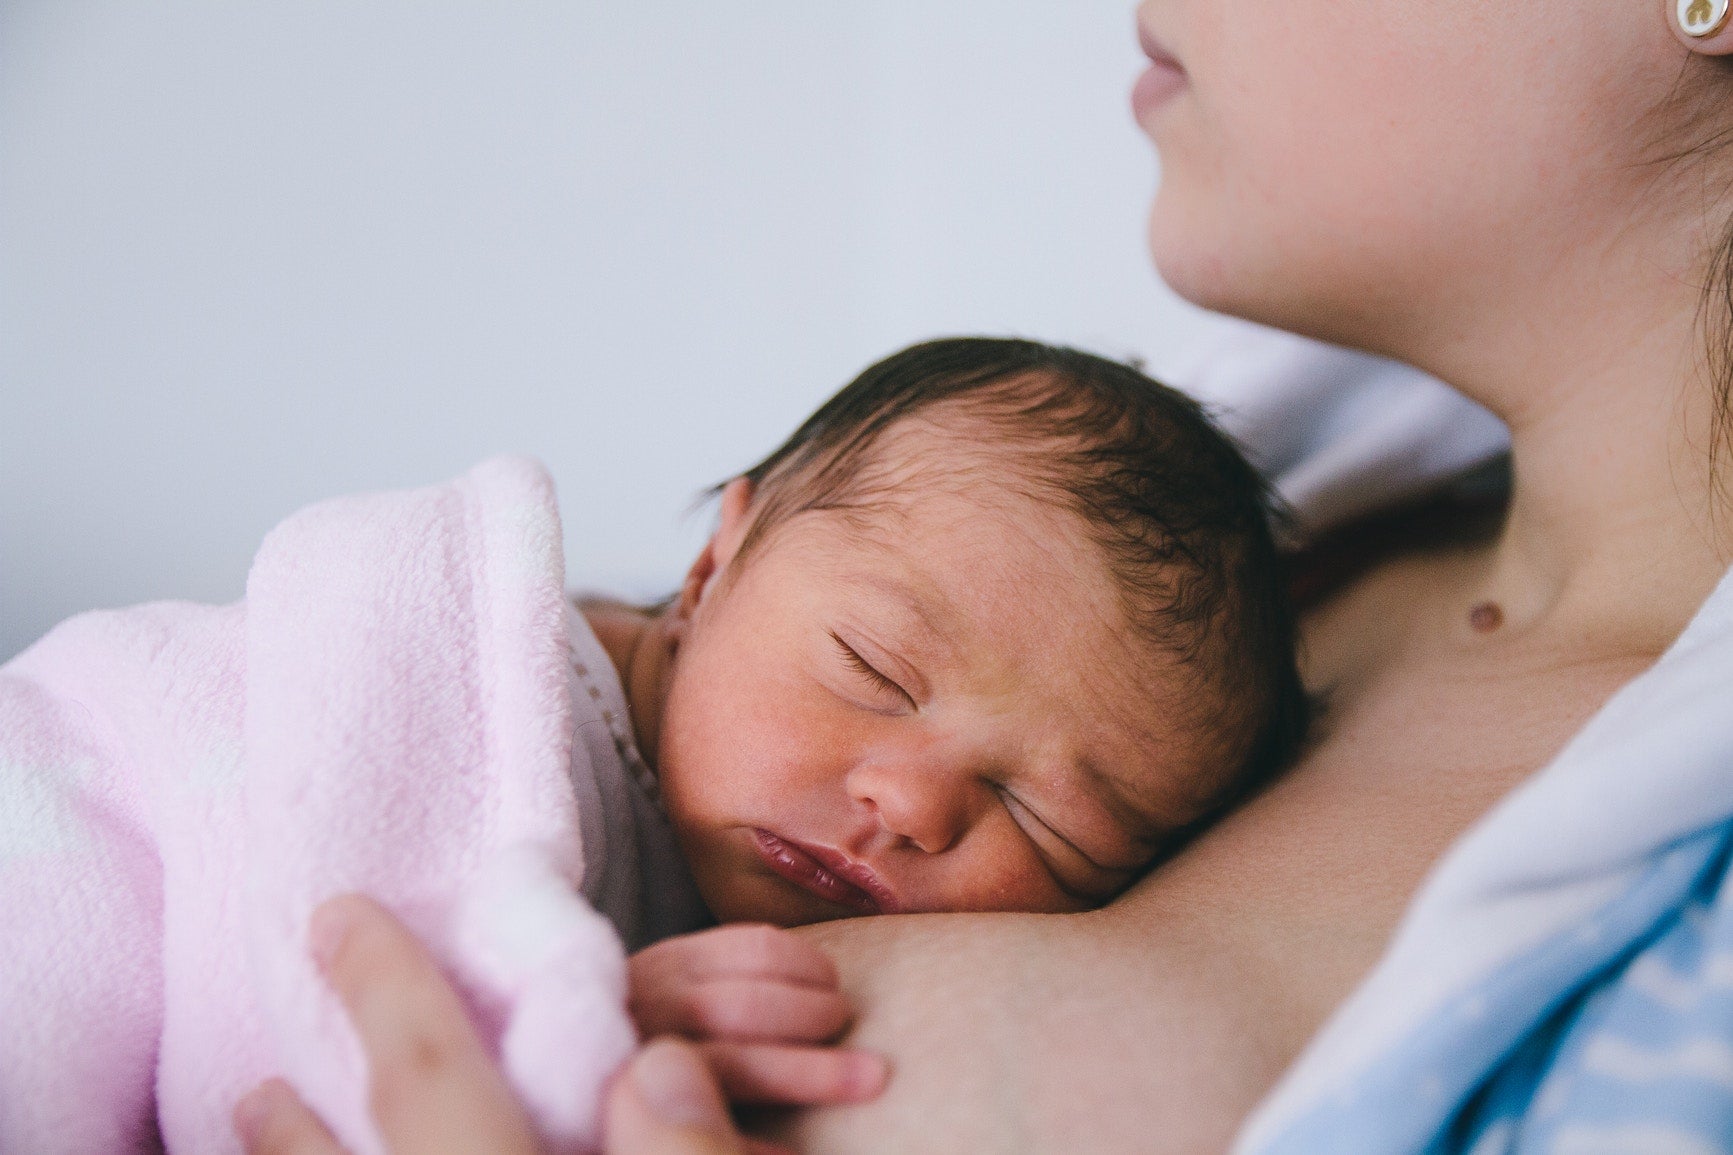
[[1409, 751], [1452, 730]]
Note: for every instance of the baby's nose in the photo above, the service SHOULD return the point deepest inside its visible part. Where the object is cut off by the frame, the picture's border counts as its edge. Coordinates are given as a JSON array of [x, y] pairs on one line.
[[919, 802]]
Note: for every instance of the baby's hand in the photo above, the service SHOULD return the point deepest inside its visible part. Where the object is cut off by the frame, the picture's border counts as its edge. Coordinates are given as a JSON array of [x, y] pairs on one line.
[[762, 1003]]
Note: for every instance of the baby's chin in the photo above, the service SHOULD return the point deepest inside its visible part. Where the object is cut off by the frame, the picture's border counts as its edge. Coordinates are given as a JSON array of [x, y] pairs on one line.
[[767, 899]]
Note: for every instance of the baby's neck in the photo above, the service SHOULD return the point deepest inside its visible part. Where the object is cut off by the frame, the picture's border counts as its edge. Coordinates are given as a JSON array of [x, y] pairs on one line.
[[632, 637]]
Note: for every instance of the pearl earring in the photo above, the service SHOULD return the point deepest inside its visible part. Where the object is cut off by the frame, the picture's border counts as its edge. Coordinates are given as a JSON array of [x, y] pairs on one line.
[[1700, 18]]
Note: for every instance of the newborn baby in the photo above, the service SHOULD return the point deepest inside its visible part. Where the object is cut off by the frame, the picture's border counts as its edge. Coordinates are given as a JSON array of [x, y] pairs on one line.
[[997, 625], [995, 628]]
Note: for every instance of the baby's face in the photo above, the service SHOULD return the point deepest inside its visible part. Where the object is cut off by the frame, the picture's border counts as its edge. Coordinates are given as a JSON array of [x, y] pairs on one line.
[[941, 709]]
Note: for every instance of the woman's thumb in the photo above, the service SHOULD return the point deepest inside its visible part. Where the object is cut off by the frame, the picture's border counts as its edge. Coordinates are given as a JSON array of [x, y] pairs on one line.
[[666, 1102]]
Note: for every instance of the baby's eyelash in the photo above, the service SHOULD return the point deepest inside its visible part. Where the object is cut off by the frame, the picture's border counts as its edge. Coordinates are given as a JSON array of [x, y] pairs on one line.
[[861, 666], [1015, 804], [1012, 801]]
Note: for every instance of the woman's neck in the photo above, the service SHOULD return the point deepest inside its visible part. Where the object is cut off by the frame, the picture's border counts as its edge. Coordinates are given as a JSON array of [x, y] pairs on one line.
[[1614, 531]]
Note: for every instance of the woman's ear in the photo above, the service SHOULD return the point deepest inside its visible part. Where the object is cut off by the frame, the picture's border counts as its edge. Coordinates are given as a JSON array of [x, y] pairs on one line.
[[1702, 25], [720, 550]]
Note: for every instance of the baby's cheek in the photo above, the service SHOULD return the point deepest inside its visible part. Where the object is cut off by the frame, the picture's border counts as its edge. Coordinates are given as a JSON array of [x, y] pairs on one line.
[[1008, 874]]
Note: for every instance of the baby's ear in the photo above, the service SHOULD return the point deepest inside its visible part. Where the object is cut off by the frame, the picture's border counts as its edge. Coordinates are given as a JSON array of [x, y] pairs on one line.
[[722, 547], [733, 522]]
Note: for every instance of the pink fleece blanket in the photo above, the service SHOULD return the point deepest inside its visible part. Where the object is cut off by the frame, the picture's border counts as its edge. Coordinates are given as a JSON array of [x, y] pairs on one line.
[[180, 785]]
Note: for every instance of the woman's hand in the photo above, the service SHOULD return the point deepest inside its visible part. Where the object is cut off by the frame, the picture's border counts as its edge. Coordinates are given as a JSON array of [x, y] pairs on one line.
[[433, 1087], [434, 1090], [664, 1103], [760, 1002]]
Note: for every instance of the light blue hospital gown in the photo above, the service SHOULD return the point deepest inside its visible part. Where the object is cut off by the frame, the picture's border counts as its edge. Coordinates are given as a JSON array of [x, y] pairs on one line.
[[1638, 1058]]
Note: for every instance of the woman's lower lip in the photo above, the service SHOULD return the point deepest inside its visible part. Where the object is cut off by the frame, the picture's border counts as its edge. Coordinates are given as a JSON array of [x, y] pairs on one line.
[[1155, 87], [802, 869]]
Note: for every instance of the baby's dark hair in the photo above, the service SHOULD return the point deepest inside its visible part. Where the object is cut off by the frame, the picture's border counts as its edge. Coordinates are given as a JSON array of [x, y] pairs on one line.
[[1182, 519]]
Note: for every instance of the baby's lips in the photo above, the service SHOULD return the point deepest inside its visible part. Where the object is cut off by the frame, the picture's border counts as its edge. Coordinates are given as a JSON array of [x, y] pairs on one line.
[[860, 876], [826, 873]]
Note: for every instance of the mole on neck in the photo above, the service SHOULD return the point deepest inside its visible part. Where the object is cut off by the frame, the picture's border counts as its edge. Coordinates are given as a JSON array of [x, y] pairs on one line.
[[1485, 617]]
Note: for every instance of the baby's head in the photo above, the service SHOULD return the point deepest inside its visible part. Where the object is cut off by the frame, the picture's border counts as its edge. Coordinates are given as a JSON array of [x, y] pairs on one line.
[[995, 627]]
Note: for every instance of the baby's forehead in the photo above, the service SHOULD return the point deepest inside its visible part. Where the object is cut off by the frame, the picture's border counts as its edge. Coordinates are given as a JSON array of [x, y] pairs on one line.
[[988, 576], [968, 562]]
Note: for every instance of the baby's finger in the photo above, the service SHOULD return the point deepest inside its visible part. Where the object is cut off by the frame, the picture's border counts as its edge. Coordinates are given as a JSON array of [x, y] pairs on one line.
[[741, 950], [748, 1010], [272, 1120], [433, 1087], [772, 1074]]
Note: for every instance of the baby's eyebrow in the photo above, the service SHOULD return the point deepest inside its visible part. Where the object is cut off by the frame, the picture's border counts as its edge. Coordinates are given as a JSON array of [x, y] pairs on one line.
[[933, 610], [1139, 821]]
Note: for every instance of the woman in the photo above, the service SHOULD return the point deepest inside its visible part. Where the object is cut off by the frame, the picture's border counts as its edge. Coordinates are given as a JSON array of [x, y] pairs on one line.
[[1526, 202]]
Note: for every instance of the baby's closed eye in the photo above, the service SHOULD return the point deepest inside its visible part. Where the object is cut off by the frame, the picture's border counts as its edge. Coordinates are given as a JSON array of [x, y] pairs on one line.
[[877, 680], [1076, 872]]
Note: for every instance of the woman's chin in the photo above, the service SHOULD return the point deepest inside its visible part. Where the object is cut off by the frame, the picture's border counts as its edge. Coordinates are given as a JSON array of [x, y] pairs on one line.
[[1191, 259], [1204, 260]]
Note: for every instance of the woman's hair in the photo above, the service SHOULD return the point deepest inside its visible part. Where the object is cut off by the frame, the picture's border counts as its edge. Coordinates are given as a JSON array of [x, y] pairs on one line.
[[1701, 97], [1717, 314], [1182, 520]]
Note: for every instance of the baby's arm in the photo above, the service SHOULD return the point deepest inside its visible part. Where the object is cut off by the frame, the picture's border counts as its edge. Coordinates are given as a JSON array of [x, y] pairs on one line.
[[763, 1004]]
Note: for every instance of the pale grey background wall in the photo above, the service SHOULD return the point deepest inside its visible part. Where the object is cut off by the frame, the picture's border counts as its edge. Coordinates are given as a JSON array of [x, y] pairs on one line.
[[253, 255]]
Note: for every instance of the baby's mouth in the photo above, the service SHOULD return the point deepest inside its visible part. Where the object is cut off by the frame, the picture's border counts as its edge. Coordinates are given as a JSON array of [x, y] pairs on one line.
[[825, 874]]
